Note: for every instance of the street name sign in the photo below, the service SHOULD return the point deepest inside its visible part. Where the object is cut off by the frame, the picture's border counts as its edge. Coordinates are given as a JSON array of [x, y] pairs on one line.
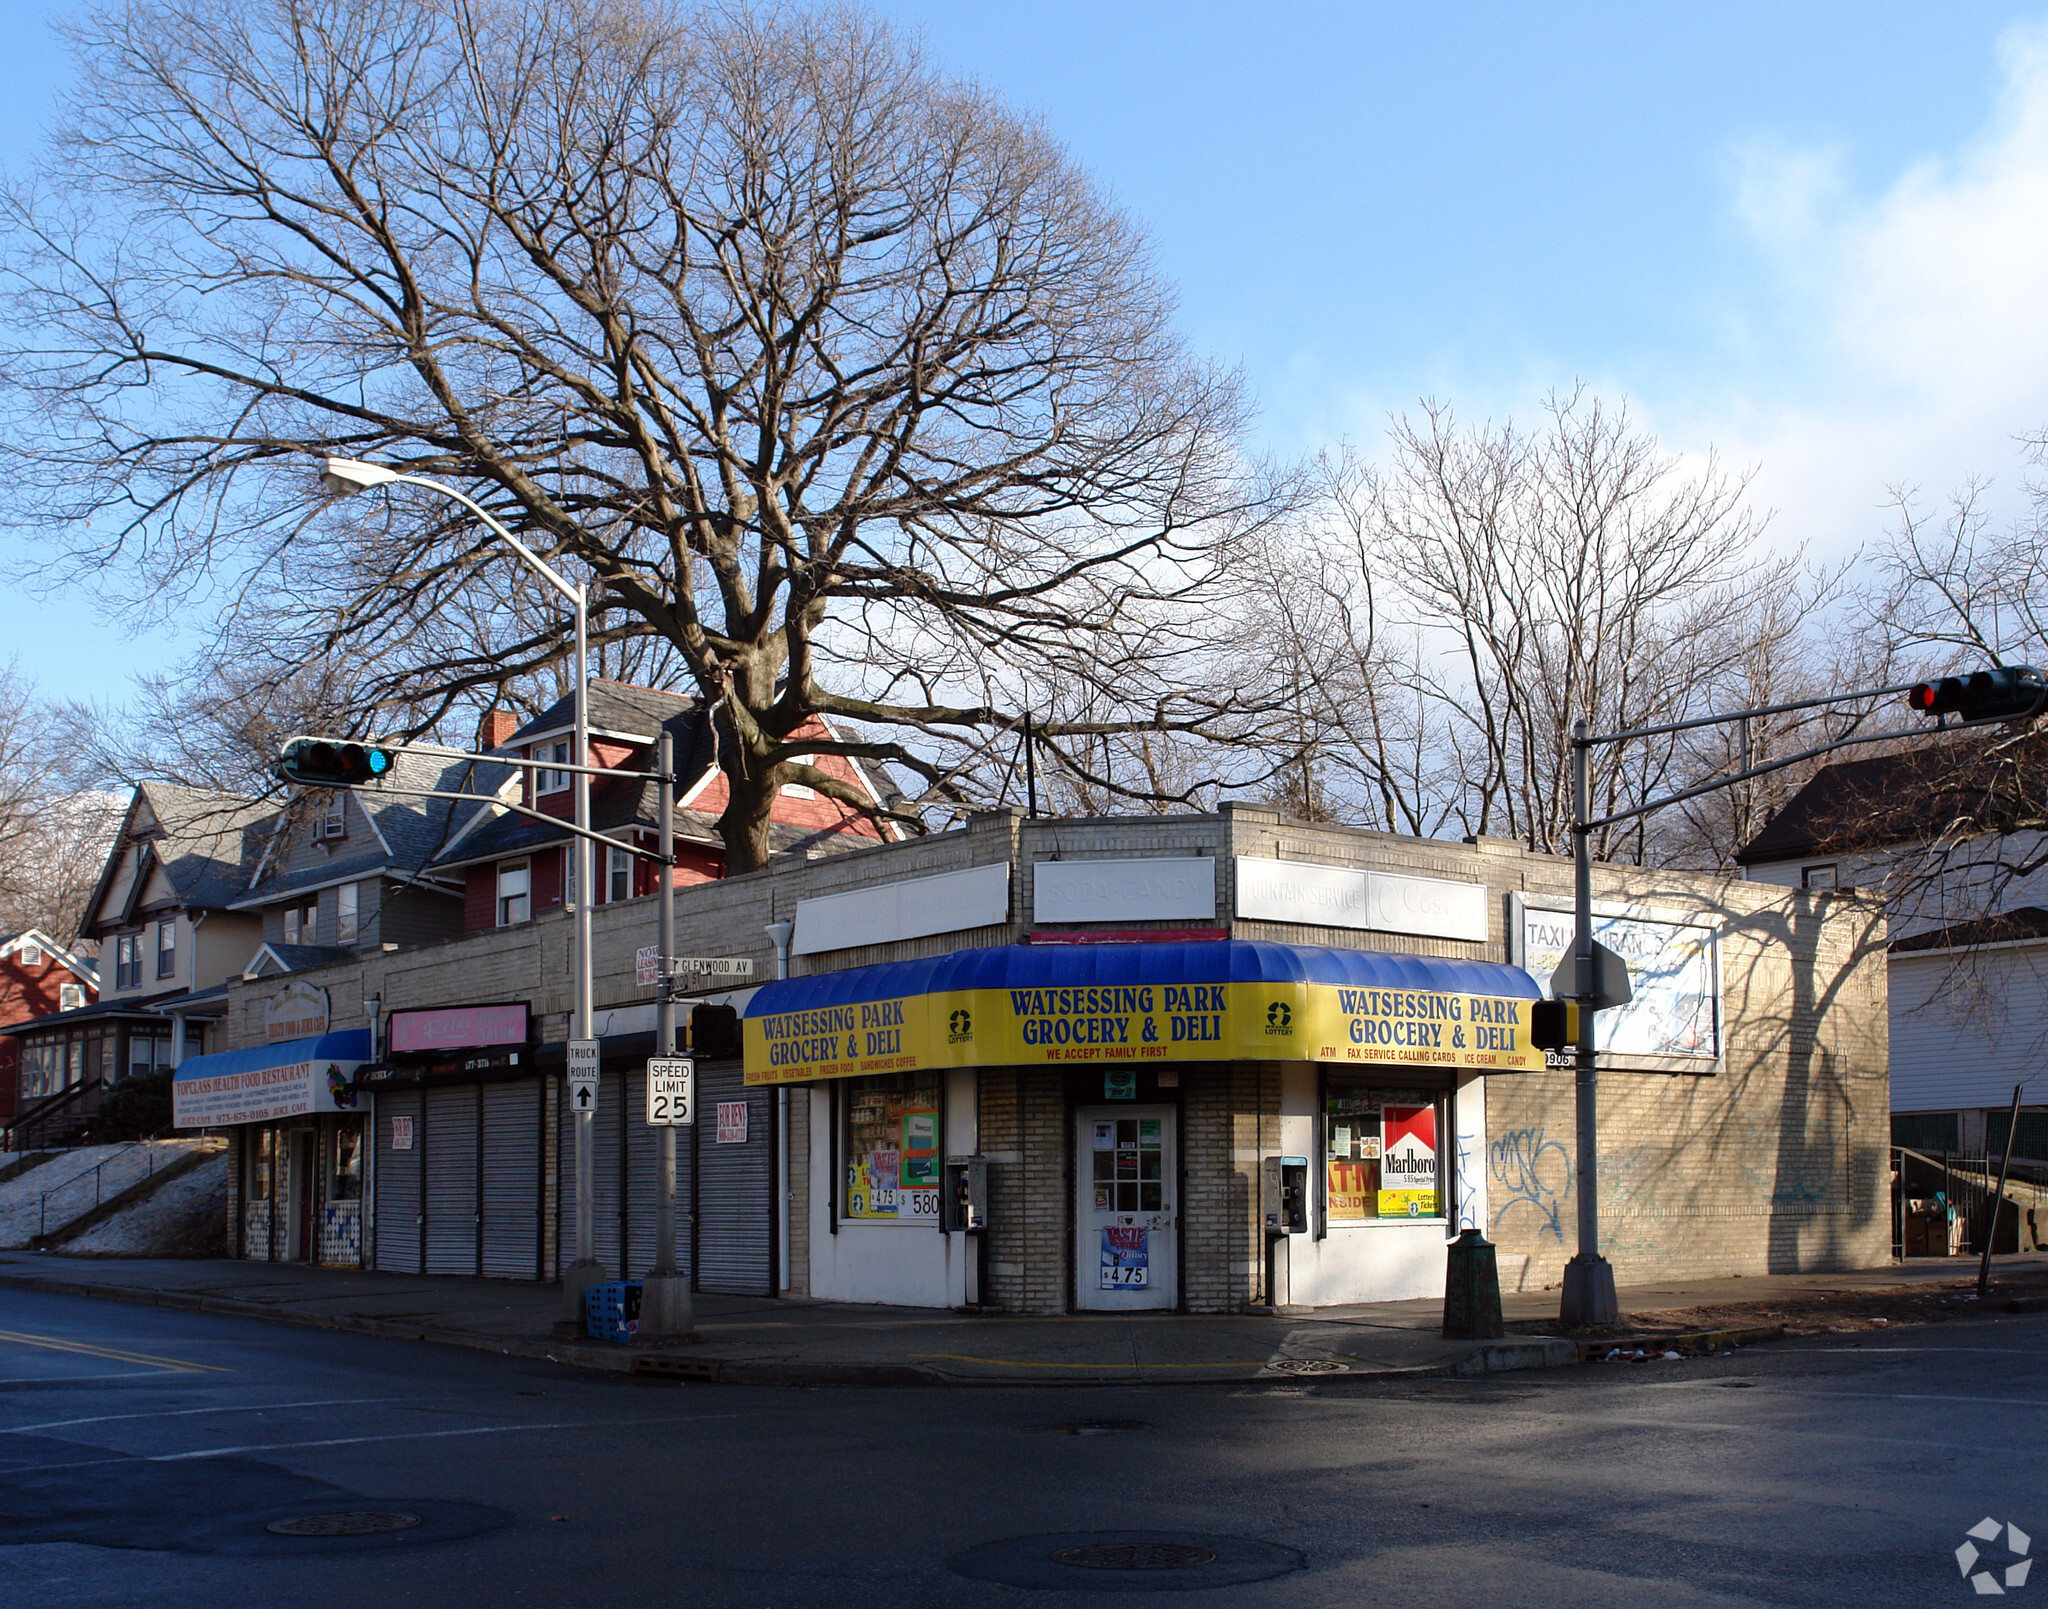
[[672, 1091], [714, 966], [583, 1055]]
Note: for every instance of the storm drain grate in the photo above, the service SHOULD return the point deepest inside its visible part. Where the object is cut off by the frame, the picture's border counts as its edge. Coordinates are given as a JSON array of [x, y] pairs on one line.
[[353, 1522], [1133, 1556], [1308, 1366]]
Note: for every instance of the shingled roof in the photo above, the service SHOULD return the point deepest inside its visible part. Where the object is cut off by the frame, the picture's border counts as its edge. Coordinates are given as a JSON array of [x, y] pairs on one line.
[[1884, 799]]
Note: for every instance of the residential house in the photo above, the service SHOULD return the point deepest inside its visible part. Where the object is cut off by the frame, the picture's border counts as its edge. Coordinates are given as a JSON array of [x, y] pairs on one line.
[[163, 913], [514, 867], [38, 978], [353, 869], [1968, 948]]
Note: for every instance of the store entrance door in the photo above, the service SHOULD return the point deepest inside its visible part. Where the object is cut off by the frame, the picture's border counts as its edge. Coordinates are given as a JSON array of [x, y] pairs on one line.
[[1126, 1211]]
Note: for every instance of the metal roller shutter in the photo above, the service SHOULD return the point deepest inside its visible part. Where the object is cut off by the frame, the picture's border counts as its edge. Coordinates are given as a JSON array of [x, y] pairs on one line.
[[451, 1178], [511, 1179], [397, 1184], [643, 1183], [735, 1198], [606, 1149]]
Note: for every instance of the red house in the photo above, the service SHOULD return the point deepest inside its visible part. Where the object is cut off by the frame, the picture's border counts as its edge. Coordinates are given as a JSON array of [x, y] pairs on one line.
[[514, 867], [38, 978]]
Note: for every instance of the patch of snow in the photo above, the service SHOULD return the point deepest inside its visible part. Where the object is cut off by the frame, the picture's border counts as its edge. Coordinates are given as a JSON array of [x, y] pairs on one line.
[[165, 1222], [68, 1184]]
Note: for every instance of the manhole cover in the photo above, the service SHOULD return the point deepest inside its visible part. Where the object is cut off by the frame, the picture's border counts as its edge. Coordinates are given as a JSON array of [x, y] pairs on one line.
[[1133, 1556], [1085, 1427], [1126, 1561], [1308, 1366], [355, 1522]]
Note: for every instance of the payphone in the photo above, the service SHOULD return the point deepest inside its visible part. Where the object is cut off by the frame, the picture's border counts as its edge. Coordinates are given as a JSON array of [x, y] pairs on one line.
[[963, 1207], [1285, 1195]]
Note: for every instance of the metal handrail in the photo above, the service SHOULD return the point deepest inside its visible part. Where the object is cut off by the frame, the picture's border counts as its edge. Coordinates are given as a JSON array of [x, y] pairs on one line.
[[48, 1107], [43, 1202]]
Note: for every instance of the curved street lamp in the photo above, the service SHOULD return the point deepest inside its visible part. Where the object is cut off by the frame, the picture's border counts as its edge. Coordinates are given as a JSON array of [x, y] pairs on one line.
[[347, 476]]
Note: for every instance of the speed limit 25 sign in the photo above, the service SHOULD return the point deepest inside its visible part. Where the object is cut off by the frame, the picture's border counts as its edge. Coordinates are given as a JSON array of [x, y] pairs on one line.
[[672, 1091]]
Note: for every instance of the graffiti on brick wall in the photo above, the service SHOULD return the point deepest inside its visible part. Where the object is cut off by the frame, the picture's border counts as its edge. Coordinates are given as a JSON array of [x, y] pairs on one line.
[[1534, 1175], [1468, 1186]]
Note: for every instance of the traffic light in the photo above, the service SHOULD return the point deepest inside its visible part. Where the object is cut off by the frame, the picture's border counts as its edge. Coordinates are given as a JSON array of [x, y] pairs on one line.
[[321, 764], [714, 1032], [2009, 693], [1554, 1024]]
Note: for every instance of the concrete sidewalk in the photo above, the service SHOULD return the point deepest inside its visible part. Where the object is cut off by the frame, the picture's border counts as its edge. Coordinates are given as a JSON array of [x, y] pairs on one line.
[[756, 1341]]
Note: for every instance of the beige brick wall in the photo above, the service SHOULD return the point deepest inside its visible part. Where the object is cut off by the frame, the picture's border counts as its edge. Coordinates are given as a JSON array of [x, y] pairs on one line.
[[1779, 1162]]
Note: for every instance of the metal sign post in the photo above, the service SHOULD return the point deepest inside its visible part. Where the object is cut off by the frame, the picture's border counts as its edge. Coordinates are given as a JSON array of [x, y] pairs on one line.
[[665, 1308]]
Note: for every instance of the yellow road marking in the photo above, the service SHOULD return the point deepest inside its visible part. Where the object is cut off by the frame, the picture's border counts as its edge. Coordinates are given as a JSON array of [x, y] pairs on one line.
[[1026, 1363], [109, 1354]]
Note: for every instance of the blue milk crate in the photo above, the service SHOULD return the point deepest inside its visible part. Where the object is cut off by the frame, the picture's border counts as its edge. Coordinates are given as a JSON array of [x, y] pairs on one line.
[[611, 1311]]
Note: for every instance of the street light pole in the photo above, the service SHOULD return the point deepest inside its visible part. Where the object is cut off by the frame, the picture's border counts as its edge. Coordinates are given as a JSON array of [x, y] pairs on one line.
[[350, 475], [1589, 1297], [666, 1311]]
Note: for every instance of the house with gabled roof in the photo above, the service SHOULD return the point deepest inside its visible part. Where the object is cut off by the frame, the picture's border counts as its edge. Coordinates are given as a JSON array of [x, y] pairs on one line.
[[353, 869], [514, 868], [38, 978], [163, 914], [1968, 935]]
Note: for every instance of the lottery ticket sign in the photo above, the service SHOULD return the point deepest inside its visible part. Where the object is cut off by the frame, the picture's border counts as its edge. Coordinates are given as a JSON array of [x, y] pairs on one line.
[[1126, 1263]]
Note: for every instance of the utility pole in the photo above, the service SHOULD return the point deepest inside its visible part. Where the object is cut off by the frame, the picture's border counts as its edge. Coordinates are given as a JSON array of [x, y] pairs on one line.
[[1589, 1298], [666, 1311]]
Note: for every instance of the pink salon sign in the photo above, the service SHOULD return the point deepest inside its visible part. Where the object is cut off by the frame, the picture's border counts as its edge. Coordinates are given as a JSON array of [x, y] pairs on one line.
[[457, 1028]]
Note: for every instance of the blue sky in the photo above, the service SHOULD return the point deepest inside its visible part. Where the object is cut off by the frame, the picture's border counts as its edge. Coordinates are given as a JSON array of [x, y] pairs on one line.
[[1813, 238]]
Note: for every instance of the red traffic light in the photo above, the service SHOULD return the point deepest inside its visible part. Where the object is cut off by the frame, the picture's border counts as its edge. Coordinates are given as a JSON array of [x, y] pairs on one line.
[[2008, 693]]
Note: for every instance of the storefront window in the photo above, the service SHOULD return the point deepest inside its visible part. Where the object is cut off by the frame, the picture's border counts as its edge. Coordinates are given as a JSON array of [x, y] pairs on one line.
[[347, 1184], [1382, 1154], [891, 1148], [260, 1159]]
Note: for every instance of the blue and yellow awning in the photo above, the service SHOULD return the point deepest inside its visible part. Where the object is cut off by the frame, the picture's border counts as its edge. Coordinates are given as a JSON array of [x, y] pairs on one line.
[[1227, 1000]]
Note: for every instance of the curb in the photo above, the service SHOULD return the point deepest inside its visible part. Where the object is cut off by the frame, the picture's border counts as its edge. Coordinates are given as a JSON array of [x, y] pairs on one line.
[[1492, 1358]]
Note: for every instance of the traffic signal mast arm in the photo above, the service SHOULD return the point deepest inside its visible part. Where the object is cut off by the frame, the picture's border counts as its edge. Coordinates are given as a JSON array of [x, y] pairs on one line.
[[383, 786], [1986, 698]]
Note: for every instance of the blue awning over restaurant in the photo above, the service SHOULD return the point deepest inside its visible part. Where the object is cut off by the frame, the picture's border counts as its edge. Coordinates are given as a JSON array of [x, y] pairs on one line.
[[266, 1083]]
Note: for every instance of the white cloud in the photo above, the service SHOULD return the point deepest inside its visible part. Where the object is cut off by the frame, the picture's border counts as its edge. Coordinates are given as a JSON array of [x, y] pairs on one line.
[[1903, 337]]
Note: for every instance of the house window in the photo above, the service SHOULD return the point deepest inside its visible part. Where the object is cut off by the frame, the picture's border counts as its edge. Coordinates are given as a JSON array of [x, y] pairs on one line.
[[332, 821], [145, 1053], [291, 925], [1818, 876], [128, 961], [31, 955], [515, 889], [798, 790], [621, 879], [345, 914], [74, 1063], [70, 996], [551, 781], [167, 948]]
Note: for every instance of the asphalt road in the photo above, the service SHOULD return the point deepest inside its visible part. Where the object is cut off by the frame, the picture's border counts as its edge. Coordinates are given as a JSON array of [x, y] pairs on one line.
[[143, 1453]]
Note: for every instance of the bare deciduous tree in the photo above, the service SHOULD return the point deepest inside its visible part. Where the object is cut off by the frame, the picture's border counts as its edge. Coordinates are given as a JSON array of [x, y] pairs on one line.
[[837, 377], [53, 832], [1500, 584]]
